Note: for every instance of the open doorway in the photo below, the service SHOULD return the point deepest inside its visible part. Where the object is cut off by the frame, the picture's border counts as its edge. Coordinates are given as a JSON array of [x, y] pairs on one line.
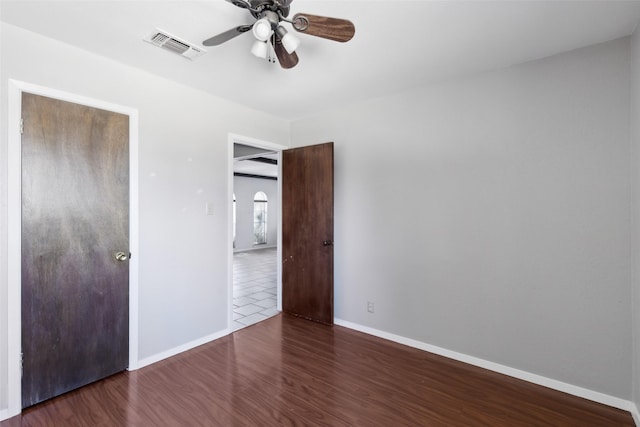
[[255, 287]]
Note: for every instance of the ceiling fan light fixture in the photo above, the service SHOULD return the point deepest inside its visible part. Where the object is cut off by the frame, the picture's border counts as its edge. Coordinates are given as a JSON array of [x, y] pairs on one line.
[[289, 41], [272, 41], [260, 49], [262, 29]]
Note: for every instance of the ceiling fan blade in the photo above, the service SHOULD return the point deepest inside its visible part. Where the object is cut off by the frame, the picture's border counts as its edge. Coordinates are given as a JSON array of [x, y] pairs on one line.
[[287, 60], [227, 35], [340, 30]]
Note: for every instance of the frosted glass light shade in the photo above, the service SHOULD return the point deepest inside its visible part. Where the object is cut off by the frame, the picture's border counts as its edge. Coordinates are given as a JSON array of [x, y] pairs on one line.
[[259, 49], [290, 42], [262, 29]]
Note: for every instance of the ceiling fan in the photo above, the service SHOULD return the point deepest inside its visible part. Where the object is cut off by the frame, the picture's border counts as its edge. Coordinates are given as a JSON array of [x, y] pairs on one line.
[[272, 39]]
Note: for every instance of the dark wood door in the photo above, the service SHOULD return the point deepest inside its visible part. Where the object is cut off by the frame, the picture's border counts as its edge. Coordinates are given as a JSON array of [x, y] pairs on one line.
[[307, 232], [75, 219]]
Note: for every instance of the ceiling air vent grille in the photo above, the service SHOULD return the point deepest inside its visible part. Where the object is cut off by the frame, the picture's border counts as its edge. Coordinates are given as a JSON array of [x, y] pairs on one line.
[[173, 44]]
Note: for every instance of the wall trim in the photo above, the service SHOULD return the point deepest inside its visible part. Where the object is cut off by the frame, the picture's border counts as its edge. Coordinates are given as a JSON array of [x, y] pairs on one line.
[[182, 348], [595, 396], [14, 207], [635, 414]]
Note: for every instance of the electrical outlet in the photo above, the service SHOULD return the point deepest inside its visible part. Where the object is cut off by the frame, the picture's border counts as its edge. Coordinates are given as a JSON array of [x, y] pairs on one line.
[[370, 307]]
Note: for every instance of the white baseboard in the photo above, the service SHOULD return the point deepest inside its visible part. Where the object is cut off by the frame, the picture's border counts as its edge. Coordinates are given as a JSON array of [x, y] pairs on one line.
[[506, 370], [502, 369], [182, 348]]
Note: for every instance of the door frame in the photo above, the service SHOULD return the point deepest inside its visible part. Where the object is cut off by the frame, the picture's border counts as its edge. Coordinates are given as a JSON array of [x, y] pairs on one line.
[[14, 226], [246, 140]]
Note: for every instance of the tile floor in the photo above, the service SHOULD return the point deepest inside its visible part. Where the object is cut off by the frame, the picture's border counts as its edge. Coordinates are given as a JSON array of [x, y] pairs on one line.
[[254, 286]]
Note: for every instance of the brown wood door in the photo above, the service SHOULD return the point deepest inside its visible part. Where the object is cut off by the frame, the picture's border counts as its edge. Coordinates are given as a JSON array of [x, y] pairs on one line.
[[307, 232], [75, 218]]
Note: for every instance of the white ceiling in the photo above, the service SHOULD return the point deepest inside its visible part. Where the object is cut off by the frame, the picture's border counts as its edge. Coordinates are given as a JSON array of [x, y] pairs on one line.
[[398, 44]]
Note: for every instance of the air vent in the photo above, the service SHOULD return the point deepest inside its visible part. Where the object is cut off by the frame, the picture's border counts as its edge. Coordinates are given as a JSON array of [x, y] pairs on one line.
[[173, 44]]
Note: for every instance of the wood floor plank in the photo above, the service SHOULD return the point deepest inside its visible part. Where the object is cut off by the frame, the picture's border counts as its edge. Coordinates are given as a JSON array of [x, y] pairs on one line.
[[287, 371]]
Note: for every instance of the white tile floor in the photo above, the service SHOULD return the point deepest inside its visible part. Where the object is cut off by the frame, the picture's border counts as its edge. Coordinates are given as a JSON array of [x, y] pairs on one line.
[[254, 286]]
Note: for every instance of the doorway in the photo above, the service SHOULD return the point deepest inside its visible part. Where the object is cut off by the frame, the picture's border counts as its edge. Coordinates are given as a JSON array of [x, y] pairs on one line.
[[15, 232], [255, 276]]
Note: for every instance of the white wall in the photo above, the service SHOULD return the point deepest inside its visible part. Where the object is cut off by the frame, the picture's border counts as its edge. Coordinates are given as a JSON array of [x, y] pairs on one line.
[[635, 139], [184, 157], [245, 189], [490, 215]]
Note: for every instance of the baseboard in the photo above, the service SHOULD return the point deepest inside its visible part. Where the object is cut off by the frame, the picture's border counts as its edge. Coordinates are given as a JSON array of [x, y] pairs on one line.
[[635, 414], [182, 348], [4, 414], [502, 369]]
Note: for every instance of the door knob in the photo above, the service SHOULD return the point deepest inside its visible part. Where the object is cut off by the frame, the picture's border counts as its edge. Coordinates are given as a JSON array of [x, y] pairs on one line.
[[120, 256]]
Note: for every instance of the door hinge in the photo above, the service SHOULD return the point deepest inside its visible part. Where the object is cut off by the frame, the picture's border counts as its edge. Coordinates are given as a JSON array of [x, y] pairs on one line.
[[21, 364], [21, 126]]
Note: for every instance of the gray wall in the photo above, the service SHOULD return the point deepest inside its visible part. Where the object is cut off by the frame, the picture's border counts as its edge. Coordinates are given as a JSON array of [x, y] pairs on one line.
[[635, 135], [490, 215], [244, 189], [184, 163]]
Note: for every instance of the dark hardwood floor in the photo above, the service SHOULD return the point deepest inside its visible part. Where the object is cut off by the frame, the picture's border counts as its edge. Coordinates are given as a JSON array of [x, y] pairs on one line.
[[289, 371]]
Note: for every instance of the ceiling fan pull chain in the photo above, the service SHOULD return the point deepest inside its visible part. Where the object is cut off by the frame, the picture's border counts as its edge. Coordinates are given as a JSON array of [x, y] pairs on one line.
[[271, 56]]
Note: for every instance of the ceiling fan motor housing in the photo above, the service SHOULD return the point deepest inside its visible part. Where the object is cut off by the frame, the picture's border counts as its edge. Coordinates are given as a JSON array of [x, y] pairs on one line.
[[260, 6], [272, 17]]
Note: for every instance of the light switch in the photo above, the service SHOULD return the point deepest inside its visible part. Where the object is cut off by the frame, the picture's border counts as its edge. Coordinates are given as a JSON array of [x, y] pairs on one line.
[[208, 208]]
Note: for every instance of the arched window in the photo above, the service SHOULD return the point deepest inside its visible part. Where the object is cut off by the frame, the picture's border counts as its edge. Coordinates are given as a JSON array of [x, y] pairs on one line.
[[234, 220], [260, 218]]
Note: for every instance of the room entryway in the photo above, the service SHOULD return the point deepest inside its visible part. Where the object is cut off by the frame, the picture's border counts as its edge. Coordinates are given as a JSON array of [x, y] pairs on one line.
[[254, 286], [306, 239], [255, 220]]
